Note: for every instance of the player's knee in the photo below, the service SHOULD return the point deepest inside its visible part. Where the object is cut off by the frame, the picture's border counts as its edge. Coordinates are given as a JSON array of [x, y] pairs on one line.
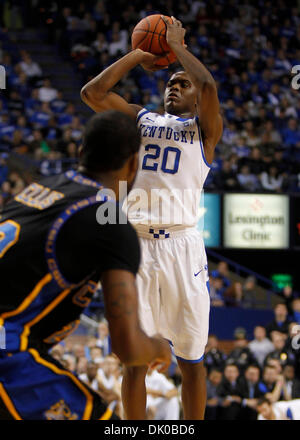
[[191, 371]]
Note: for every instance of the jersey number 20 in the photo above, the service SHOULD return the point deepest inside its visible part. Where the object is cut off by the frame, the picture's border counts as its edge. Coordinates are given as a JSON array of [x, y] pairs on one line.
[[9, 235], [168, 152]]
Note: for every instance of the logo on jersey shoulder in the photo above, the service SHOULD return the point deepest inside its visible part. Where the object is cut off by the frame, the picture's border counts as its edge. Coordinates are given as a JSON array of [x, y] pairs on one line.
[[60, 411]]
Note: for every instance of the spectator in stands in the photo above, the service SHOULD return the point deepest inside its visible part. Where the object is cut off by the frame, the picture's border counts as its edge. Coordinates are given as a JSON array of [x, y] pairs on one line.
[[41, 117], [278, 410], [270, 136], [66, 118], [222, 271], [162, 397], [90, 377], [247, 180], [214, 357], [288, 296], [15, 104], [229, 392], [291, 387], [250, 392], [216, 291], [81, 366], [280, 322], [3, 168], [69, 362], [226, 179], [241, 354], [58, 351], [296, 310], [271, 180], [213, 381], [234, 294], [291, 134], [96, 354], [47, 93], [58, 104], [281, 351], [254, 161], [293, 344], [31, 69], [249, 290], [252, 139], [271, 384], [118, 45], [108, 377], [103, 340], [260, 346]]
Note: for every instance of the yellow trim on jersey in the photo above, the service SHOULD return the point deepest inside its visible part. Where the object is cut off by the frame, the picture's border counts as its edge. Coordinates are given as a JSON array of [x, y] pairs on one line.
[[48, 309], [14, 241], [8, 403], [30, 298], [55, 369], [107, 415]]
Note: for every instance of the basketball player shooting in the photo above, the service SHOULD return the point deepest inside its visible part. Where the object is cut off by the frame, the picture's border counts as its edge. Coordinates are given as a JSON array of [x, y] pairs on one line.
[[176, 152]]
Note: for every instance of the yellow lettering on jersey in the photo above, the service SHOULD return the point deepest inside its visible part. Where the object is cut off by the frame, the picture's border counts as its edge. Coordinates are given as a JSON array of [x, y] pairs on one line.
[[63, 333], [38, 196], [84, 296]]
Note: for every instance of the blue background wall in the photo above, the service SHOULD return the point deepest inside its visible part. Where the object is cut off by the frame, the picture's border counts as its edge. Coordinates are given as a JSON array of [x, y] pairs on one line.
[[223, 321]]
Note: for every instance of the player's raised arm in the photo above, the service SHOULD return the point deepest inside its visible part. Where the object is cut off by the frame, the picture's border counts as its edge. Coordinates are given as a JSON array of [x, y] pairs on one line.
[[97, 93], [129, 342], [208, 107]]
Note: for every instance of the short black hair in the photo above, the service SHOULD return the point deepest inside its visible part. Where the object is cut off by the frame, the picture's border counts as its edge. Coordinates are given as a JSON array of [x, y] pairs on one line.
[[109, 139], [263, 400]]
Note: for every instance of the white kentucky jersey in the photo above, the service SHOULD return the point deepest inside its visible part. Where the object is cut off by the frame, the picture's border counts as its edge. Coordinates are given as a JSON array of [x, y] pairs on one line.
[[171, 174]]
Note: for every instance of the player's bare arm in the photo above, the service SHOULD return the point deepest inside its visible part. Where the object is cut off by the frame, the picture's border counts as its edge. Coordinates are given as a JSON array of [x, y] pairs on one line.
[[129, 342], [97, 93], [208, 106]]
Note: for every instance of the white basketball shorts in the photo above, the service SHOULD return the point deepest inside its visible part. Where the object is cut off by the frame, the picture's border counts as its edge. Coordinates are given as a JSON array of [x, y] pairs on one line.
[[173, 289]]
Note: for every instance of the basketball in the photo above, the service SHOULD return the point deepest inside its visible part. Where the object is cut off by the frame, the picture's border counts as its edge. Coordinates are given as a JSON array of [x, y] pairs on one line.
[[149, 35]]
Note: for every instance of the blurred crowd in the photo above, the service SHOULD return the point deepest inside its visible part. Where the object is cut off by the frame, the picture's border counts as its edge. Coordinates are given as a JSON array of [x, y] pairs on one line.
[[243, 378], [36, 123], [249, 47], [228, 290]]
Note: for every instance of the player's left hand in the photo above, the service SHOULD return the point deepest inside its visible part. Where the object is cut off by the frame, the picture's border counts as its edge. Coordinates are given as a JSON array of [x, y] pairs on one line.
[[175, 32]]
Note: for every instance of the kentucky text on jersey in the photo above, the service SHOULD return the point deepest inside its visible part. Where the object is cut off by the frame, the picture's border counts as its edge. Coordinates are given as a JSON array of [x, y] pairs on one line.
[[184, 136], [172, 171]]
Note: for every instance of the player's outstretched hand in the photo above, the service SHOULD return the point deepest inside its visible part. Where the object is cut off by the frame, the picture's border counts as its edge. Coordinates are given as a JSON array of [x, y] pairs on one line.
[[149, 60], [163, 358], [175, 32]]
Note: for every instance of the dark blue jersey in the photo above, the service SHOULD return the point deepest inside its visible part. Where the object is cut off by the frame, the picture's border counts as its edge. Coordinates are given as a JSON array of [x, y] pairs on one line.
[[52, 254]]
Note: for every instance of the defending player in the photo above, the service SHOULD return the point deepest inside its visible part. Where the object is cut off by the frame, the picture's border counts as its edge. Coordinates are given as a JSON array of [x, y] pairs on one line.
[[52, 254], [176, 153]]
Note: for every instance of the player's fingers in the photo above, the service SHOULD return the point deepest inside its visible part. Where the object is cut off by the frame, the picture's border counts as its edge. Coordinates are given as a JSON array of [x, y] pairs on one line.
[[177, 22], [165, 20]]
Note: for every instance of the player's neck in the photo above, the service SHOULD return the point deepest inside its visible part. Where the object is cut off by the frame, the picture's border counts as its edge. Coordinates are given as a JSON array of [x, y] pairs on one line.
[[185, 115]]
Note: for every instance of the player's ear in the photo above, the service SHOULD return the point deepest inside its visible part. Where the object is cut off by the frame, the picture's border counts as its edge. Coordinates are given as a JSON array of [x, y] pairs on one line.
[[133, 163]]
